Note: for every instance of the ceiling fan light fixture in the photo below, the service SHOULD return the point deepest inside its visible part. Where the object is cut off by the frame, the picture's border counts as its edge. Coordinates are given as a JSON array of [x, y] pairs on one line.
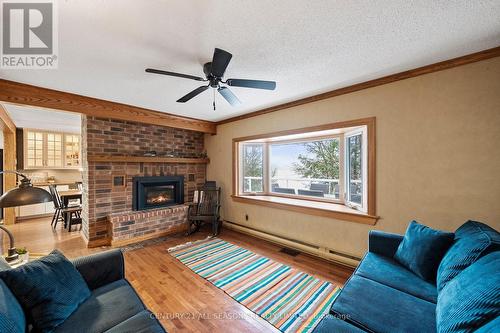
[[214, 71]]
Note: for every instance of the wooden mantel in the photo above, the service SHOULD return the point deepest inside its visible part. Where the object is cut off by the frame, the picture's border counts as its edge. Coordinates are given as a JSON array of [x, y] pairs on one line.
[[150, 159]]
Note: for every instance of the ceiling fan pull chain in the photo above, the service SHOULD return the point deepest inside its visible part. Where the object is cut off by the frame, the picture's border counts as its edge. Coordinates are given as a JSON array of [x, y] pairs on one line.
[[214, 99]]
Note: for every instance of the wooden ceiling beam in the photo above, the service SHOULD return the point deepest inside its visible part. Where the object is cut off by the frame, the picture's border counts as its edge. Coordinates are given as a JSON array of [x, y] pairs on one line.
[[6, 122], [25, 94]]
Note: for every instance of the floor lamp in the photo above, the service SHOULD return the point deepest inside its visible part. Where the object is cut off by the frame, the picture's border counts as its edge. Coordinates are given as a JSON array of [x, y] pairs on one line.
[[23, 194]]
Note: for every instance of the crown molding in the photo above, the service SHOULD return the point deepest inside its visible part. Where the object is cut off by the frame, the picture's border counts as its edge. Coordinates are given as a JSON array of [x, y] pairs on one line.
[[436, 67]]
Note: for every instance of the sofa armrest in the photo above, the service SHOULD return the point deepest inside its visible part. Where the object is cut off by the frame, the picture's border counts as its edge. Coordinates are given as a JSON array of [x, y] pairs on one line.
[[383, 243], [102, 268]]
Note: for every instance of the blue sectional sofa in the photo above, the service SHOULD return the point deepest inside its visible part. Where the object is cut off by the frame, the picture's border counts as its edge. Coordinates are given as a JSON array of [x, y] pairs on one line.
[[384, 296], [113, 306]]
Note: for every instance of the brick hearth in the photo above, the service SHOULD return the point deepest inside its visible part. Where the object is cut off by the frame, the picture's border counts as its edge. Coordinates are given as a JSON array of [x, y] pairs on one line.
[[128, 227], [106, 137]]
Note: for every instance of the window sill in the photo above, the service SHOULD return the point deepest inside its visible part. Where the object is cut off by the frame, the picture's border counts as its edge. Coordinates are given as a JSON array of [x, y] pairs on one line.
[[324, 209]]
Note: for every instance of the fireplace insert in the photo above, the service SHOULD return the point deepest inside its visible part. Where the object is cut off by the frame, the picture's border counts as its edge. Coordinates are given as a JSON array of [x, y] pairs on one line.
[[157, 192]]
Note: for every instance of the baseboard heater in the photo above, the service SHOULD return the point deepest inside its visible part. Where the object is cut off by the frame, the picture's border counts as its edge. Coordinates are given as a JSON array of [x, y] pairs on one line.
[[323, 252]]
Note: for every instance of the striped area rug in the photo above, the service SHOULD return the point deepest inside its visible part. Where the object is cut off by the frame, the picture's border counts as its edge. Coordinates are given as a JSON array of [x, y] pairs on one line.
[[292, 301]]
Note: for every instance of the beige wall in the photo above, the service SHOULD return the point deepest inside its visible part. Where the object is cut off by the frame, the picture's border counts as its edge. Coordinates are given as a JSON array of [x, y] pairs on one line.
[[438, 156]]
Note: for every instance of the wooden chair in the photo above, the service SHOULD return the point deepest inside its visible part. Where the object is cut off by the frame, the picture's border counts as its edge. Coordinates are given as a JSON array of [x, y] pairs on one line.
[[75, 218], [79, 186], [205, 209], [210, 184], [61, 211]]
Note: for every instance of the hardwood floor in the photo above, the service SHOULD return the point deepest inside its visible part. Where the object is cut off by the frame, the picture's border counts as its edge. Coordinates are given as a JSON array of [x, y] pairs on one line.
[[182, 300], [38, 237]]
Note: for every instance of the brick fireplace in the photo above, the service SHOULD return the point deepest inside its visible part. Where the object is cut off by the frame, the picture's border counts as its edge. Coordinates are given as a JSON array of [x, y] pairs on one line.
[[157, 192], [113, 152]]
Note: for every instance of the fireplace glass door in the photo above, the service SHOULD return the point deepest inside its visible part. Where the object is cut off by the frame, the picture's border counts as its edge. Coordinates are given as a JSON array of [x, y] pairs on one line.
[[152, 192], [157, 196]]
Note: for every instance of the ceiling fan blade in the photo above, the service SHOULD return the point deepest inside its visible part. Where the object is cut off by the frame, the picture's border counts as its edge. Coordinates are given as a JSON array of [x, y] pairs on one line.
[[220, 61], [185, 76], [229, 96], [257, 84], [192, 94]]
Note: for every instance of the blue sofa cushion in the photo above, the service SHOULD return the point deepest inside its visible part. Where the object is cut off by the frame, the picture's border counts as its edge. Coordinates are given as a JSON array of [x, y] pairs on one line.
[[472, 298], [472, 240], [422, 249], [143, 322], [12, 318], [50, 289], [379, 308], [490, 327], [330, 324], [108, 306], [387, 271]]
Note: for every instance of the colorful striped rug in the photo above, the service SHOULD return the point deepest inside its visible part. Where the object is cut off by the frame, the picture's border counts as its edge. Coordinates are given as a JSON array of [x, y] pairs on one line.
[[292, 301]]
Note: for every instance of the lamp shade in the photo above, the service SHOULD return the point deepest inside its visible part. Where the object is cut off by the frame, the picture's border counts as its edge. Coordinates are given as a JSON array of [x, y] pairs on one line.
[[24, 195]]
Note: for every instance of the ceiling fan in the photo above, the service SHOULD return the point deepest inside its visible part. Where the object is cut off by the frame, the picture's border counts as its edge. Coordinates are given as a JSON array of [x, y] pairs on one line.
[[214, 71]]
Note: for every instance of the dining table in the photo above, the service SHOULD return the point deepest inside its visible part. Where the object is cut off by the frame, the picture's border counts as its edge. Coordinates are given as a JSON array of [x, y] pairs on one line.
[[66, 196]]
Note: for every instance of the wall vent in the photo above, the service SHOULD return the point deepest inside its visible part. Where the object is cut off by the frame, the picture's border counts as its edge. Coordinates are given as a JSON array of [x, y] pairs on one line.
[[290, 252]]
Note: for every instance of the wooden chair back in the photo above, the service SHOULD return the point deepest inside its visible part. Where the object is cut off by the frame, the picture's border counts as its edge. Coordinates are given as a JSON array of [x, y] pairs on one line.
[[210, 184], [55, 197], [208, 201]]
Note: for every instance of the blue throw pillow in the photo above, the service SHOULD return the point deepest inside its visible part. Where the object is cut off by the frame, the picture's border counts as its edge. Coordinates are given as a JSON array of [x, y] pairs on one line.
[[472, 240], [422, 249], [472, 298], [12, 318], [50, 289]]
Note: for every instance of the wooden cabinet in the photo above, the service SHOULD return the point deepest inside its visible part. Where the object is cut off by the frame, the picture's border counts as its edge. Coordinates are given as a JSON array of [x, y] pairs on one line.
[[50, 150], [71, 150], [32, 210], [40, 209], [36, 209], [54, 149], [34, 154]]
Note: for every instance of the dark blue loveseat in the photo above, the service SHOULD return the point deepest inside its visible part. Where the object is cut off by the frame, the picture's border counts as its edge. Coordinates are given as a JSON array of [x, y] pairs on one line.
[[384, 296], [113, 307]]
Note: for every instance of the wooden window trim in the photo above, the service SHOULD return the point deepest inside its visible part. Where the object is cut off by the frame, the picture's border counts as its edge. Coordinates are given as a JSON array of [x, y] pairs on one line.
[[313, 207], [310, 207]]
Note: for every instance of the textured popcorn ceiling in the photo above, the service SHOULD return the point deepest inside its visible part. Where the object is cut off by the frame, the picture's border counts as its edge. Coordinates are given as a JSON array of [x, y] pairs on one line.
[[308, 47], [44, 119]]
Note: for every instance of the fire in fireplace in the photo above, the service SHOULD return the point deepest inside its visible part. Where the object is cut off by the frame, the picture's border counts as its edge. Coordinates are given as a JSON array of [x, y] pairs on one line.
[[156, 192], [157, 195]]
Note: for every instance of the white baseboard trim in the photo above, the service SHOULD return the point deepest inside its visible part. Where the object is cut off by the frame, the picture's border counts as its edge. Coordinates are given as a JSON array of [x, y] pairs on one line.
[[322, 252]]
